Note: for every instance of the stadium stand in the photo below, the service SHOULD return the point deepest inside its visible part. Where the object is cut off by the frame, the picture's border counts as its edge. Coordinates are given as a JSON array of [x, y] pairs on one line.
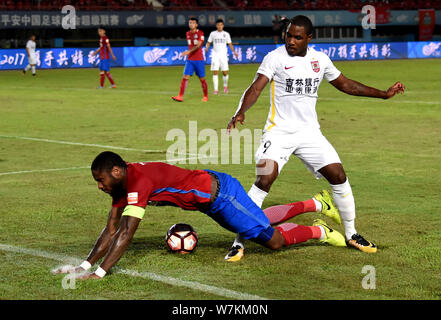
[[116, 5]]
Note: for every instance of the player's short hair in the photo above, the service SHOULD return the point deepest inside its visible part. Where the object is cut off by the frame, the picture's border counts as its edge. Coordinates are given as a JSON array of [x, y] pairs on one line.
[[106, 160], [194, 19], [302, 21], [219, 21], [102, 28]]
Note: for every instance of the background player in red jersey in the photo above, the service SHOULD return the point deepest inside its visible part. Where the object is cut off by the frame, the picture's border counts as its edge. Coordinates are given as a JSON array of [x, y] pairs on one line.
[[133, 186], [104, 51], [195, 61]]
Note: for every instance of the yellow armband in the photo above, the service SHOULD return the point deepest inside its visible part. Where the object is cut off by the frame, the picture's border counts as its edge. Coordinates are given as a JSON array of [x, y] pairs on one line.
[[134, 211]]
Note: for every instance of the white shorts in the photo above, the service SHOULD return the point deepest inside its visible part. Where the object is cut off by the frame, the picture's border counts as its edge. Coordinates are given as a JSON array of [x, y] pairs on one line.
[[219, 61], [32, 59], [310, 146]]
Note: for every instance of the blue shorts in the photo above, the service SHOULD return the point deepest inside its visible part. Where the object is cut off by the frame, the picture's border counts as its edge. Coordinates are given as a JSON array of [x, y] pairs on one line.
[[104, 65], [192, 66], [234, 210]]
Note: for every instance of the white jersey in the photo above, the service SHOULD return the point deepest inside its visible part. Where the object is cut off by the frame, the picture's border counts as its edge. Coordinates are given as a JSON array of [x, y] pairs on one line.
[[31, 45], [219, 41], [294, 88]]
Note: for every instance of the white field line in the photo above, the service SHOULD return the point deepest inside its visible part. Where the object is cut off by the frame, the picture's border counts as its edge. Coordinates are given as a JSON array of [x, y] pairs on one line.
[[240, 95], [88, 167], [193, 285], [87, 144]]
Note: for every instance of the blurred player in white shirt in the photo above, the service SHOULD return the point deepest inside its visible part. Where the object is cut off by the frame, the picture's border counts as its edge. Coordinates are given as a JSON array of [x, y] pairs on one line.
[[32, 58], [219, 56]]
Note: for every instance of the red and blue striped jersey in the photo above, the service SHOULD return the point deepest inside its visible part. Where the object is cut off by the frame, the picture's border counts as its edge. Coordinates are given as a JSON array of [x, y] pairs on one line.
[[161, 182], [104, 49]]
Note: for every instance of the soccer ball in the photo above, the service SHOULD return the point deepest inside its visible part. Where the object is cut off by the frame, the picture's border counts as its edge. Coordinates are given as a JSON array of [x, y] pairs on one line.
[[181, 238]]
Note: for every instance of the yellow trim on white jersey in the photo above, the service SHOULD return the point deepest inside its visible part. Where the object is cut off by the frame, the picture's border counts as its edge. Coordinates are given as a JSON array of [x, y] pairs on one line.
[[273, 105]]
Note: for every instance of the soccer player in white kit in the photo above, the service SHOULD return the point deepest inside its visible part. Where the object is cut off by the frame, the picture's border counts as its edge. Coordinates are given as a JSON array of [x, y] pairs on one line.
[[219, 58], [295, 72], [32, 58]]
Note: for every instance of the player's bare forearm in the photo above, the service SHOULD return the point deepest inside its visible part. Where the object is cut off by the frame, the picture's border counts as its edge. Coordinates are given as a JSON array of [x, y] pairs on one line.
[[121, 241], [248, 99], [252, 93], [104, 241], [101, 246], [356, 88]]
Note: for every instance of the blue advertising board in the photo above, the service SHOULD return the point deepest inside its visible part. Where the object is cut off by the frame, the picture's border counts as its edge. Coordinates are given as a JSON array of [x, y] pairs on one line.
[[64, 58], [56, 58]]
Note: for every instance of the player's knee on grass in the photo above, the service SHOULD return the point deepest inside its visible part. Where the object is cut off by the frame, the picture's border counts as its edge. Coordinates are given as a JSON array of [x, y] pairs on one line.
[[277, 241]]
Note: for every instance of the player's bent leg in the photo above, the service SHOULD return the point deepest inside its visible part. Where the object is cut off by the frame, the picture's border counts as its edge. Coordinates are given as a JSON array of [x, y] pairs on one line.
[[276, 242], [267, 172], [345, 202], [258, 192]]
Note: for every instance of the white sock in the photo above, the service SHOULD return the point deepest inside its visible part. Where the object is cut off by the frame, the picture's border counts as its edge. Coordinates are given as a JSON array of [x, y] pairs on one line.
[[33, 69], [258, 196], [322, 237], [28, 67], [226, 81], [345, 202], [318, 205], [215, 82]]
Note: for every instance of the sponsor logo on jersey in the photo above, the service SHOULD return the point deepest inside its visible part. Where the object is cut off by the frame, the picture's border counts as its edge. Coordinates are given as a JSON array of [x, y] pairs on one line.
[[132, 197], [315, 66]]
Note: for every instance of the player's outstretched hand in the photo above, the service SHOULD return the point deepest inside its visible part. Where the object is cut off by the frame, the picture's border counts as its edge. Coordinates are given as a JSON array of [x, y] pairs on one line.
[[233, 122], [67, 269], [88, 275], [398, 87]]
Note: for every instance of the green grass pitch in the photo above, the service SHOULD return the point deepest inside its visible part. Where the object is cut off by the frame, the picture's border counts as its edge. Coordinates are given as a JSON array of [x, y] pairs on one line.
[[390, 151]]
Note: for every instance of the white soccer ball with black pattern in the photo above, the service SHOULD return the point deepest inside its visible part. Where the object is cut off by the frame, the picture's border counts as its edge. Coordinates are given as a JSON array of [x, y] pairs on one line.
[[181, 238]]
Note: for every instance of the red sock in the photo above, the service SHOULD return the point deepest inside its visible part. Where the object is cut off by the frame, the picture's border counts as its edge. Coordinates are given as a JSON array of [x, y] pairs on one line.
[[184, 83], [294, 233], [277, 214], [102, 77], [204, 87], [109, 76]]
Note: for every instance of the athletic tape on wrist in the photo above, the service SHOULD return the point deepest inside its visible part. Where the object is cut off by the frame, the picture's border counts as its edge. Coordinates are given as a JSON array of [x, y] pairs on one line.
[[100, 272], [86, 265]]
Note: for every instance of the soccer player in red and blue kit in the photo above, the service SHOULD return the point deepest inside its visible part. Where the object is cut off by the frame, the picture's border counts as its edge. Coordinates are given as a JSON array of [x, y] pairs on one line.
[[104, 65], [195, 62], [133, 186]]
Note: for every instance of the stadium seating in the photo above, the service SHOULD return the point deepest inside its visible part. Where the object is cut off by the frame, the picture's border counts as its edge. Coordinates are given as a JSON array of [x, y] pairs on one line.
[[92, 5]]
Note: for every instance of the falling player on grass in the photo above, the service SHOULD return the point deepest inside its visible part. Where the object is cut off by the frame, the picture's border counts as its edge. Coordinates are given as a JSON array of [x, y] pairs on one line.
[[133, 186], [219, 55], [32, 57], [295, 72], [195, 61], [104, 65]]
